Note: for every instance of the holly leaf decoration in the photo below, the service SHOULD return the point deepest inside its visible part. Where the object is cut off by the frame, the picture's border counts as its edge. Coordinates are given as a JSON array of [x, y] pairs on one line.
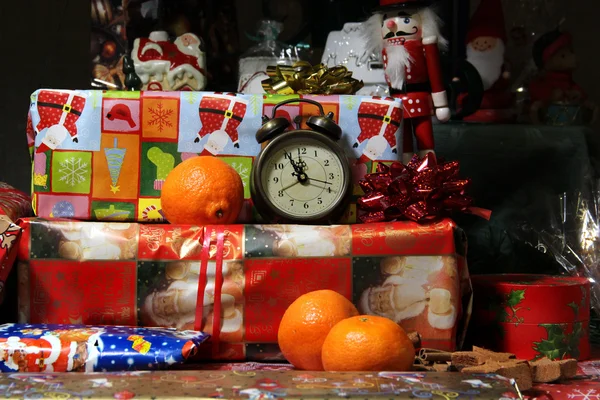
[[574, 338], [515, 297], [575, 307], [559, 344], [554, 347]]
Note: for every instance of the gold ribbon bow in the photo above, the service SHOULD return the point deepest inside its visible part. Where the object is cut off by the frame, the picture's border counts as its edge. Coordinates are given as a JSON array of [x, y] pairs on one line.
[[303, 78]]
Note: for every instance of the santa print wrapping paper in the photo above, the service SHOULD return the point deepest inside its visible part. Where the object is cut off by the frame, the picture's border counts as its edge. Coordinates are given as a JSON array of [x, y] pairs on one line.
[[14, 204], [105, 155], [78, 348], [255, 385], [247, 275]]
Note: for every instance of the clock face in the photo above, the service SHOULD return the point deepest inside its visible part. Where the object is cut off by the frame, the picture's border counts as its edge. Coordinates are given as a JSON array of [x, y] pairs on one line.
[[303, 177]]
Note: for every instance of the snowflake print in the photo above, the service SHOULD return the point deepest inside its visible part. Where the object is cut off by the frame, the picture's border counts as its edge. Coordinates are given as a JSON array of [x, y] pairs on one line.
[[590, 394], [73, 171], [160, 117], [242, 170]]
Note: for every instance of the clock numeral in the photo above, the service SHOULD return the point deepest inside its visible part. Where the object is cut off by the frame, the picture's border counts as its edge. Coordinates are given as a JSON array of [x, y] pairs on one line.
[[326, 162], [329, 189], [280, 193], [292, 202], [276, 179], [303, 150], [319, 201], [278, 166], [331, 176], [305, 205], [316, 155]]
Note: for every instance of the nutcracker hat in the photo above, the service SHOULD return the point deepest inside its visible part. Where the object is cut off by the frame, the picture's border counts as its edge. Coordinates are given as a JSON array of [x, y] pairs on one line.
[[390, 5], [488, 20], [548, 44]]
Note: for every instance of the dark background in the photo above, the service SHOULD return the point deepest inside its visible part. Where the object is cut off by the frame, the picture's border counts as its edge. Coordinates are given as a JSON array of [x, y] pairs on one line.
[[46, 44]]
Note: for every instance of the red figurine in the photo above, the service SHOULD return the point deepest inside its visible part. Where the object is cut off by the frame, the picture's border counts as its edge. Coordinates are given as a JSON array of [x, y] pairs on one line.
[[486, 44], [407, 34], [556, 98]]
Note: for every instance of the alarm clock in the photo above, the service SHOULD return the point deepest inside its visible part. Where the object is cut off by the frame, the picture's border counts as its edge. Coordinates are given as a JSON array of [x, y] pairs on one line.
[[301, 176]]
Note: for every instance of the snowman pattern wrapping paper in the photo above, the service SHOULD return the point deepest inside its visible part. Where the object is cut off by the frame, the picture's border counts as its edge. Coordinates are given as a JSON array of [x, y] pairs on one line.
[[105, 155], [80, 348]]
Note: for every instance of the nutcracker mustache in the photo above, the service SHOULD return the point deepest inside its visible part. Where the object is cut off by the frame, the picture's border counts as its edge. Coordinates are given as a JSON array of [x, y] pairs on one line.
[[390, 35]]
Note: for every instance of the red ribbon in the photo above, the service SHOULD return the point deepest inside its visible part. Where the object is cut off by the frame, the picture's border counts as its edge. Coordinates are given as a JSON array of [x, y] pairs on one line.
[[199, 320], [421, 191], [216, 333], [202, 283]]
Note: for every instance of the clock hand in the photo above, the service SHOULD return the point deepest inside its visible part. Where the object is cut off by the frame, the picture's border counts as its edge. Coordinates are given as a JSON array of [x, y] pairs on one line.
[[318, 180], [289, 186], [297, 168], [302, 177]]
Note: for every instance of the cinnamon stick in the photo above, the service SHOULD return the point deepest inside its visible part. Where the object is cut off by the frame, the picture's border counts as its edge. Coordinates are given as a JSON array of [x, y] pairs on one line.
[[434, 356], [415, 338]]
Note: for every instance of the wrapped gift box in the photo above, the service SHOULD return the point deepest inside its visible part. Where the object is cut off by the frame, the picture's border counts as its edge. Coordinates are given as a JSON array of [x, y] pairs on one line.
[[256, 385], [105, 155], [236, 281], [14, 204]]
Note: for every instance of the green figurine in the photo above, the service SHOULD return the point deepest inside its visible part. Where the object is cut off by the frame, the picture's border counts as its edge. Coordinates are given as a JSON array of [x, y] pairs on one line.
[[132, 80]]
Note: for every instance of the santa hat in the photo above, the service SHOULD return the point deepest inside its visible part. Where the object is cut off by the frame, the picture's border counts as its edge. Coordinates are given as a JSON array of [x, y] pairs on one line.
[[488, 20], [386, 5], [58, 132], [548, 44], [363, 159], [121, 112]]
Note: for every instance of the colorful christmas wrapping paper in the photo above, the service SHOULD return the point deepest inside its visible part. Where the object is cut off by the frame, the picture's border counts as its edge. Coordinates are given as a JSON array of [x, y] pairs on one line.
[[255, 385], [14, 204], [532, 316], [78, 348], [585, 386], [235, 282], [105, 155]]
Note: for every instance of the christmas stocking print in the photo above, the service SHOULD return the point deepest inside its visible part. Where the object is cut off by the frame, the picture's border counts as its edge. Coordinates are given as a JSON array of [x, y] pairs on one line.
[[379, 120], [222, 113], [59, 112]]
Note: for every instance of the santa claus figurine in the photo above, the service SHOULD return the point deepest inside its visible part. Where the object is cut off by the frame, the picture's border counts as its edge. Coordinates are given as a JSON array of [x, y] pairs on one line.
[[165, 65], [486, 41], [406, 32]]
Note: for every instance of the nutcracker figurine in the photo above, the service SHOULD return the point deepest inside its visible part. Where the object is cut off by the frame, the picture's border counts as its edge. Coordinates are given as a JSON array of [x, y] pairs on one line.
[[406, 32]]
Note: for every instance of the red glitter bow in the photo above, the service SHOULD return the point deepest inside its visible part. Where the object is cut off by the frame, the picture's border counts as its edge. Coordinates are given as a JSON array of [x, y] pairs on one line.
[[421, 191]]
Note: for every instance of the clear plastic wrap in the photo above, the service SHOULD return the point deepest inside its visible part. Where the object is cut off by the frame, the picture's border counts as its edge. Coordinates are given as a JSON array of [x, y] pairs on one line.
[[571, 236], [267, 52]]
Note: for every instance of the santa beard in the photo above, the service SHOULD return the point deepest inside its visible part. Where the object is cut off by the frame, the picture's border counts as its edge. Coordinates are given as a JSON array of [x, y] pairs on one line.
[[488, 63], [398, 60]]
